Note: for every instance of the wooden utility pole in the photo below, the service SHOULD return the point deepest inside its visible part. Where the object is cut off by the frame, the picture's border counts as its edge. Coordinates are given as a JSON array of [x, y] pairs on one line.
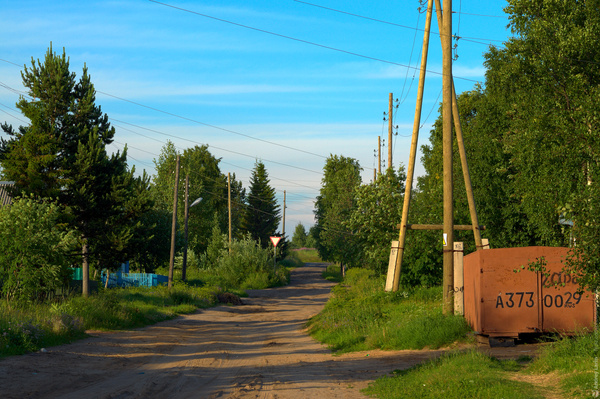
[[448, 232], [174, 225], [461, 147], [393, 278], [390, 130], [85, 269], [185, 228], [229, 205], [379, 155], [283, 224]]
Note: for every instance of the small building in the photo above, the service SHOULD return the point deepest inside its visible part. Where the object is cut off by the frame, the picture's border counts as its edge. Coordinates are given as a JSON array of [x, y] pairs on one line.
[[5, 195]]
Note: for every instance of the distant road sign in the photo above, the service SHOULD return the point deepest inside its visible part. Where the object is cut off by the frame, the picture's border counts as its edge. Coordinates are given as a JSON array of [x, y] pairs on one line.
[[275, 240]]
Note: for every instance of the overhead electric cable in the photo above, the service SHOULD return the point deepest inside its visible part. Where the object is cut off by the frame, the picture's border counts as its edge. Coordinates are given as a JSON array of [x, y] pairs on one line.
[[218, 148], [302, 40], [211, 126], [471, 39]]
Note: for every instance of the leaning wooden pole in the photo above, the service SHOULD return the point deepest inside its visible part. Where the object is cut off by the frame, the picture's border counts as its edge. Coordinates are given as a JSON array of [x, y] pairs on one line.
[[461, 149], [393, 280], [448, 232]]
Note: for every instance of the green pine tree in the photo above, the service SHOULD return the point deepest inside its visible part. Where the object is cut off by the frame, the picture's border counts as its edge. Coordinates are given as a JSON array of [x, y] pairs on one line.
[[62, 154], [263, 213]]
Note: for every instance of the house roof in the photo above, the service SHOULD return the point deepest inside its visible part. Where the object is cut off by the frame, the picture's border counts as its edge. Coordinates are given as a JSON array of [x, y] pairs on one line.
[[5, 197]]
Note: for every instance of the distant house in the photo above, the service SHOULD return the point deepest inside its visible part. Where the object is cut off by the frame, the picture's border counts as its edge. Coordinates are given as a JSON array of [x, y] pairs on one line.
[[5, 197]]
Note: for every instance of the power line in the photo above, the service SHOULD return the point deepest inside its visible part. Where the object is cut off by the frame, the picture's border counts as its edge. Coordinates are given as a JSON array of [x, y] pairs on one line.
[[218, 148], [301, 40], [471, 39], [177, 137], [211, 126]]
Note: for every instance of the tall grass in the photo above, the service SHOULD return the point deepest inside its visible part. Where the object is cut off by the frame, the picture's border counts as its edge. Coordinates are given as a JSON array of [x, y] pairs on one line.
[[31, 327], [361, 316]]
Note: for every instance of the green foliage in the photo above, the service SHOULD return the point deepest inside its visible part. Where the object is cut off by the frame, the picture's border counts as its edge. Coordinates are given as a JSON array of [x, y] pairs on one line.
[[543, 83], [153, 233], [29, 328], [217, 248], [532, 139], [262, 214], [206, 181], [373, 221], [361, 316], [246, 266], [299, 237], [34, 250], [138, 306], [335, 203], [62, 155], [312, 238], [567, 354], [332, 273]]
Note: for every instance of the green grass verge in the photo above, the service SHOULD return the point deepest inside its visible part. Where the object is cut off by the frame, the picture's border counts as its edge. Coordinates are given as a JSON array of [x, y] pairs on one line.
[[333, 273], [565, 368], [30, 327], [574, 361], [456, 375], [361, 316], [308, 255]]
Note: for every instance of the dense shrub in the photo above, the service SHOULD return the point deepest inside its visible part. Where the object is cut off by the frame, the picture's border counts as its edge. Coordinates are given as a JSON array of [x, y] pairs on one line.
[[34, 247], [245, 265]]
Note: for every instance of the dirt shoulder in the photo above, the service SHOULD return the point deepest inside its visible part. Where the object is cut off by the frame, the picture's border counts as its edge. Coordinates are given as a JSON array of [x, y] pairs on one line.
[[258, 350]]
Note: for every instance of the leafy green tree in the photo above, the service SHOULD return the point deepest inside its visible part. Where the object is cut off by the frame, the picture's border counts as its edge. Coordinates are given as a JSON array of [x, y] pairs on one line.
[[206, 181], [335, 203], [311, 239], [549, 77], [62, 154], [153, 232], [35, 245], [300, 236], [532, 134], [263, 213], [375, 217]]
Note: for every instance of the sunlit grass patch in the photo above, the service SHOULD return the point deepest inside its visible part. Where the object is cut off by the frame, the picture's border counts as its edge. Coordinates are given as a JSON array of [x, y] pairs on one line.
[[456, 375], [360, 316], [308, 255]]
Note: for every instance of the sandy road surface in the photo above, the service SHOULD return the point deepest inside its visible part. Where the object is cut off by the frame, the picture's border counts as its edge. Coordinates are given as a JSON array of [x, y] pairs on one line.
[[258, 350]]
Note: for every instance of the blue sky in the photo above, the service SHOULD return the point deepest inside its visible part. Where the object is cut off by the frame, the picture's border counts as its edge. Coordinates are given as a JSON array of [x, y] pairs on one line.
[[283, 81]]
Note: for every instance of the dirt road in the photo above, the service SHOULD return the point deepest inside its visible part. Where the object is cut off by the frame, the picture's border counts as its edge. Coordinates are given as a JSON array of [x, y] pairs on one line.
[[258, 350]]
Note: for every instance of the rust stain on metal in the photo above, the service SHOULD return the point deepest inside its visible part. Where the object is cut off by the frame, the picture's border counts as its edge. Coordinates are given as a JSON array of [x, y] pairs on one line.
[[501, 302]]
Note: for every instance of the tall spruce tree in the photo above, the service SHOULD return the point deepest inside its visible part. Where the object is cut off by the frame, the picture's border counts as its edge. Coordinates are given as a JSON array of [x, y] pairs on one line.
[[263, 213], [62, 154]]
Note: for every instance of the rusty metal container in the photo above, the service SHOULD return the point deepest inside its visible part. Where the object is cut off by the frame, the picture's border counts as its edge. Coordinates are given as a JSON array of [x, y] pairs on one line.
[[502, 303]]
